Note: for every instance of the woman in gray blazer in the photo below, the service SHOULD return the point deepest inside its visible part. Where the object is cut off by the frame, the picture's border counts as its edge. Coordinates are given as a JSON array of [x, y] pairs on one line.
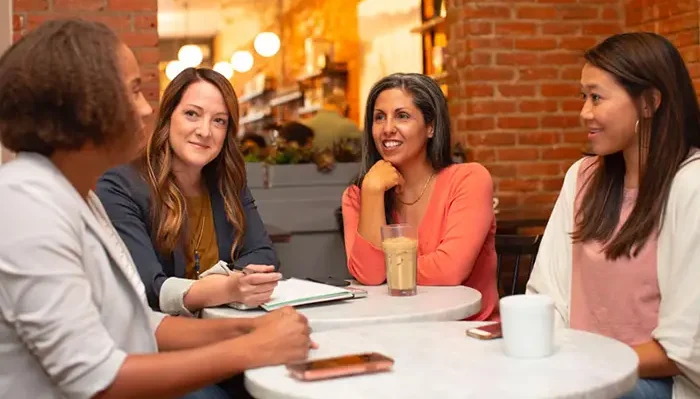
[[184, 209], [74, 322]]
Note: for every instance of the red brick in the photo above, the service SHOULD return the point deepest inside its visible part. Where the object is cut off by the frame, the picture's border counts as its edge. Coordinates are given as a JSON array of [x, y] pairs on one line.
[[479, 90], [538, 138], [561, 58], [552, 184], [516, 58], [601, 28], [482, 155], [539, 73], [491, 107], [489, 12], [578, 12], [515, 28], [479, 28], [610, 13], [516, 90], [686, 38], [518, 154], [491, 139], [538, 106], [479, 123], [114, 21], [577, 43], [571, 73], [497, 170], [81, 5], [16, 36], [538, 13], [490, 43], [558, 1], [30, 5], [561, 121], [561, 28], [17, 22], [537, 169], [561, 153], [540, 199], [571, 105], [490, 73], [536, 44], [147, 55], [518, 122], [560, 90], [481, 58], [140, 39], [518, 185], [133, 5], [146, 21], [575, 137]]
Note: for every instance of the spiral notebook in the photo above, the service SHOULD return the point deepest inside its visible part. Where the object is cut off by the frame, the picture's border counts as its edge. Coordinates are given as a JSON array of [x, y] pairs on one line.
[[296, 292]]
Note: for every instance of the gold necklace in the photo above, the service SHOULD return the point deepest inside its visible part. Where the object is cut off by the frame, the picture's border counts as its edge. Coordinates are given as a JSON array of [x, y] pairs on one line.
[[202, 219], [421, 193]]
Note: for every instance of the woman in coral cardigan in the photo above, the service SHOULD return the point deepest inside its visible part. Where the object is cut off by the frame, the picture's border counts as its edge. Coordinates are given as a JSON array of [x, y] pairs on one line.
[[407, 176]]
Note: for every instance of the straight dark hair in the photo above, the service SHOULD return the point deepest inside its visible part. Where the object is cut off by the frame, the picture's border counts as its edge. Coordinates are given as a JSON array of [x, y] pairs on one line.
[[640, 62], [429, 99]]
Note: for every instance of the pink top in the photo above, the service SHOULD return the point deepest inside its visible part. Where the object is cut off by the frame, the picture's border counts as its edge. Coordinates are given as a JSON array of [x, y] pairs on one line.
[[618, 299], [456, 243]]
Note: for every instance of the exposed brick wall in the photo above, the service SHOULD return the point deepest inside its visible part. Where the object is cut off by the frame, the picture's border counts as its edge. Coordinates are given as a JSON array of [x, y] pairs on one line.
[[513, 89], [678, 20], [135, 21]]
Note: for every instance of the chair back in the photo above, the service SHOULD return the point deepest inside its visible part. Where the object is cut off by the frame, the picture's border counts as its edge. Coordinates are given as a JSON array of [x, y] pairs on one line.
[[513, 248]]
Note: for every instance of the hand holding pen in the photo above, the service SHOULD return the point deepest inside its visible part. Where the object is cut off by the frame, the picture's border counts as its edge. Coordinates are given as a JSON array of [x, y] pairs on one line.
[[254, 287]]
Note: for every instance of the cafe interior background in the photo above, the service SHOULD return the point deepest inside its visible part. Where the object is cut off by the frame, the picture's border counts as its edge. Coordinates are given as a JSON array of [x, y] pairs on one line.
[[509, 69]]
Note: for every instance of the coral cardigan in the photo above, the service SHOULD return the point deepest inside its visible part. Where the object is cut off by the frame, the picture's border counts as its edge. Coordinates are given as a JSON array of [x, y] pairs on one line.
[[456, 244]]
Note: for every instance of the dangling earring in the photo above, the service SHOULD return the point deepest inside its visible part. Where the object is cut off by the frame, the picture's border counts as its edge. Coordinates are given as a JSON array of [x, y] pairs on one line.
[[636, 127]]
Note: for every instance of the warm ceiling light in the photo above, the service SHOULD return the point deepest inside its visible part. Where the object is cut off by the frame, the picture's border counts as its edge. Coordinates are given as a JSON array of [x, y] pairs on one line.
[[266, 44], [242, 61], [224, 68], [190, 55], [174, 68]]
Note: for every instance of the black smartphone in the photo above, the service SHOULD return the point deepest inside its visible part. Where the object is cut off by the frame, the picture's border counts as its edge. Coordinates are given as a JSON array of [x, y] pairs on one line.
[[334, 281]]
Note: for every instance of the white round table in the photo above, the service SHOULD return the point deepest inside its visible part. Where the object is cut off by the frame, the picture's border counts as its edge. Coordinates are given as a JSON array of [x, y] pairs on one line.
[[430, 304], [438, 360]]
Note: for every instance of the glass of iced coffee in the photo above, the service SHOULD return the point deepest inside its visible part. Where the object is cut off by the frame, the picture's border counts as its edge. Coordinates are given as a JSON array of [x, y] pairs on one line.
[[400, 246]]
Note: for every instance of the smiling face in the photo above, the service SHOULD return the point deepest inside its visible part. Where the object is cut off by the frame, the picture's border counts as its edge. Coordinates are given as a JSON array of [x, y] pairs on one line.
[[198, 126], [609, 113], [398, 128]]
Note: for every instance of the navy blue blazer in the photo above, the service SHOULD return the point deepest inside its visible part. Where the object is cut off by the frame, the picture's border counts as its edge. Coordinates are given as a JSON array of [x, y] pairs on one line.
[[126, 197]]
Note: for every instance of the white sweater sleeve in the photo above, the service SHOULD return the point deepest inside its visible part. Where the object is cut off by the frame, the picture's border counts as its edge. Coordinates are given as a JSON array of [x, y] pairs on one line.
[[551, 274], [678, 331]]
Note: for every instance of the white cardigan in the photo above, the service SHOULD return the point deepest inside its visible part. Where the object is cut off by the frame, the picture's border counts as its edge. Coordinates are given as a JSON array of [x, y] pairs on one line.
[[678, 329]]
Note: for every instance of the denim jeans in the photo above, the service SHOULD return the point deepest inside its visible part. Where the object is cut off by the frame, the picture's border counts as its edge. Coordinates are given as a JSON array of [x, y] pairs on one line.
[[651, 388], [231, 388], [210, 392]]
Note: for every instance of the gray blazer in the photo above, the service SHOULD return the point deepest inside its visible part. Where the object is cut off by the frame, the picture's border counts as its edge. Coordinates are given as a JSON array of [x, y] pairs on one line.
[[71, 303], [127, 198]]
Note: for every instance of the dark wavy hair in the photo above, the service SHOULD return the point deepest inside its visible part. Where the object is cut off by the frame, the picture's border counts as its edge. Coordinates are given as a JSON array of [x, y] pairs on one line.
[[641, 63], [429, 99], [61, 86]]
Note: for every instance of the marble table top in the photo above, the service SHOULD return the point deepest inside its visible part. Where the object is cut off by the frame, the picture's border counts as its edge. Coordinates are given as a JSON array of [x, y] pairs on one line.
[[438, 360], [430, 304]]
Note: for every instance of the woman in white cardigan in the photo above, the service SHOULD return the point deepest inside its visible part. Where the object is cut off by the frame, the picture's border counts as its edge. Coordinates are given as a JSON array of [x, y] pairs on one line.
[[74, 322], [621, 250]]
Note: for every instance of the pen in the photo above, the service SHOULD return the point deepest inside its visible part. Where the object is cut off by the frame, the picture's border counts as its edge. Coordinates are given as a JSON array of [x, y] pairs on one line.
[[243, 269]]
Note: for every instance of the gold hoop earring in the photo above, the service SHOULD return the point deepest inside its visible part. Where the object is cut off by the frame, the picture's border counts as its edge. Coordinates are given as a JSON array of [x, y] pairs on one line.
[[636, 127]]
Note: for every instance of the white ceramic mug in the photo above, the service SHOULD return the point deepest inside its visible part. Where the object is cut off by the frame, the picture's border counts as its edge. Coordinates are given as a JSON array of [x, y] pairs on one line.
[[528, 326]]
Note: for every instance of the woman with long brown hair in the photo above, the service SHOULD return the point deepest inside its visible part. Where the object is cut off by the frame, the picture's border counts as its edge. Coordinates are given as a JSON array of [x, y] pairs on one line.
[[619, 254], [184, 210]]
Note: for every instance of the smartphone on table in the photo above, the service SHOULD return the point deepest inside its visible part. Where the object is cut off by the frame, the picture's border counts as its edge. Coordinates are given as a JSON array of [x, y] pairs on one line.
[[490, 331], [341, 366]]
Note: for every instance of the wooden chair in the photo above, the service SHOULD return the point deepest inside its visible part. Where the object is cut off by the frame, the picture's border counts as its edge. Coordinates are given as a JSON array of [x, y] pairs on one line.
[[515, 247]]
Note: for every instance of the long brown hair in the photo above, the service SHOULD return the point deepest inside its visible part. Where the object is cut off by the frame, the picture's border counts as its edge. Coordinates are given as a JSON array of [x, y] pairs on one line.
[[641, 63], [226, 172]]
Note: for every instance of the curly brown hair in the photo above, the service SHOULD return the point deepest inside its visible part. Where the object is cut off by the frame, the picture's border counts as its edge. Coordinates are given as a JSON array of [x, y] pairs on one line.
[[62, 87], [226, 171]]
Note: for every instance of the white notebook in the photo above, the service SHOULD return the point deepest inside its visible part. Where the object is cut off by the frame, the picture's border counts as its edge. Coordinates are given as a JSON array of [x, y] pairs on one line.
[[295, 292]]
